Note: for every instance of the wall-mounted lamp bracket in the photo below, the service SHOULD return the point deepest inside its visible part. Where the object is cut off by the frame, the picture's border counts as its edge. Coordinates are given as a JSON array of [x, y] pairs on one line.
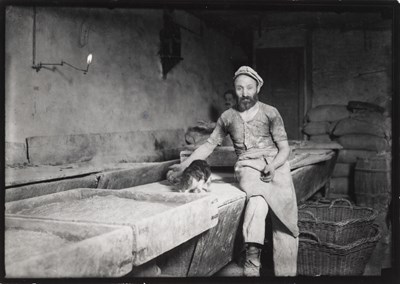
[[39, 66]]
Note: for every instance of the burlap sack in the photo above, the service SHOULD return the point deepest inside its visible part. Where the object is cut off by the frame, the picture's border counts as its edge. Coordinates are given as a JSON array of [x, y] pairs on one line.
[[356, 106], [340, 185], [388, 127], [363, 142], [321, 138], [343, 170], [369, 116], [316, 128], [328, 113], [332, 126], [374, 118], [354, 126], [349, 156]]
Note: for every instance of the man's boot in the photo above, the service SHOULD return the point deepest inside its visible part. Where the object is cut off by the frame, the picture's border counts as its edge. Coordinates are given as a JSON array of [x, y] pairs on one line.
[[252, 263]]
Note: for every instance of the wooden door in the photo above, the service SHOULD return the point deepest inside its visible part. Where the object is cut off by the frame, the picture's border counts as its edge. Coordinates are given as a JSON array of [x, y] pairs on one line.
[[282, 70]]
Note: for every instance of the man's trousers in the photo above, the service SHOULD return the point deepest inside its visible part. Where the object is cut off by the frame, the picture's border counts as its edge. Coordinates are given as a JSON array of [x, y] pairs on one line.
[[285, 246]]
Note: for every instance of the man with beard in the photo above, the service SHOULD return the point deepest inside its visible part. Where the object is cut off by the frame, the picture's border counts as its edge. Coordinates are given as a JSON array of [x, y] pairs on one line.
[[263, 173]]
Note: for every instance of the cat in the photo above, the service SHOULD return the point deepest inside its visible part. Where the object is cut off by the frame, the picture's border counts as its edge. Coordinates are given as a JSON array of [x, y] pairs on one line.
[[195, 178]]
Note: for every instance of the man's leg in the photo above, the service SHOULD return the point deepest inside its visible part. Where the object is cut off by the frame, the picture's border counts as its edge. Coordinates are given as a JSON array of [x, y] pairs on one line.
[[285, 248], [254, 233]]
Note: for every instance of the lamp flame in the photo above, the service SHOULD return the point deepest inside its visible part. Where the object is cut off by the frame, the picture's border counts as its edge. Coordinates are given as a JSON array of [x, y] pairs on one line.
[[89, 58]]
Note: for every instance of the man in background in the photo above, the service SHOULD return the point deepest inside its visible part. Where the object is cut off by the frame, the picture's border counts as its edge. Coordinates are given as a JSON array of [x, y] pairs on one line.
[[230, 101], [199, 134]]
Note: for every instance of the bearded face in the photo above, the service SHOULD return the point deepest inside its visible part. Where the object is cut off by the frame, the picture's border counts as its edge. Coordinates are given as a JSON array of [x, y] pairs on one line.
[[246, 103], [247, 92]]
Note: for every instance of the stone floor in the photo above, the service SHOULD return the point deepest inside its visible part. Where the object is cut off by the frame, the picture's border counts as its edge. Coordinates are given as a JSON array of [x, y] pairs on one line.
[[380, 261], [234, 269], [380, 258]]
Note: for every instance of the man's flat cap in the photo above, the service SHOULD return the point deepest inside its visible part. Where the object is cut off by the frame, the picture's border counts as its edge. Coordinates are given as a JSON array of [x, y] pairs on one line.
[[246, 70]]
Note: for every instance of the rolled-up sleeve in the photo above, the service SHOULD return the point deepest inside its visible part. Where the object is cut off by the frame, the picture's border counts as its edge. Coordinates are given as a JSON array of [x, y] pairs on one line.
[[219, 133], [277, 127]]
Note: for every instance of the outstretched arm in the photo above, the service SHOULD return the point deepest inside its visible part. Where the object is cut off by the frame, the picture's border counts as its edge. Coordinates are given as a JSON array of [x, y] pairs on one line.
[[200, 153]]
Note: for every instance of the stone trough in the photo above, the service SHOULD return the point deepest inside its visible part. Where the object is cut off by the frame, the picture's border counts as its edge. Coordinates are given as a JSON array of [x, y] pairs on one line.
[[49, 248], [173, 231], [32, 181], [159, 221]]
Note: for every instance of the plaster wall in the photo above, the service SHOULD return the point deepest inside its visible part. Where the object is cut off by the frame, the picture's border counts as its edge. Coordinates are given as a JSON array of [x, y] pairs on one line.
[[123, 90], [281, 37], [352, 64]]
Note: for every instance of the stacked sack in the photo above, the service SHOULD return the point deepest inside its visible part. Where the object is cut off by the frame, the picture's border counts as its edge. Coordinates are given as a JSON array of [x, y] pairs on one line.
[[361, 128], [321, 121], [364, 134]]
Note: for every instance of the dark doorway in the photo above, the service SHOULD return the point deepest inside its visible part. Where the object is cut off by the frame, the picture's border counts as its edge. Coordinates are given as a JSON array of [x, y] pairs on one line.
[[283, 72]]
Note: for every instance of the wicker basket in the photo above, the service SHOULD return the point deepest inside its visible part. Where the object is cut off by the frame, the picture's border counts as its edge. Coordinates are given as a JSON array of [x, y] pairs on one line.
[[339, 224], [323, 258]]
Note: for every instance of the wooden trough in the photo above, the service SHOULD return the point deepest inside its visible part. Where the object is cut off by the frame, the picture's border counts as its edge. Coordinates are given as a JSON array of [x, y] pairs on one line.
[[183, 234], [209, 252], [311, 164], [32, 181], [49, 248], [159, 221]]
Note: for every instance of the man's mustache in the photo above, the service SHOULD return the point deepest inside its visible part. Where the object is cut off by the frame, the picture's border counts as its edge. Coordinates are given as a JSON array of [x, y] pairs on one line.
[[246, 99]]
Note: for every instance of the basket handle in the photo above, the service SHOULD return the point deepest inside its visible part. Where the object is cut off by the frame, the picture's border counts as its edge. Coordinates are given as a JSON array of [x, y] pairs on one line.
[[318, 201], [309, 213], [341, 199], [301, 206], [323, 201], [313, 235]]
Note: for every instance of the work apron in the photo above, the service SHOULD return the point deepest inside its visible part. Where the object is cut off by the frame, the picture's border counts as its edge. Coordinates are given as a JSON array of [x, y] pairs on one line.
[[278, 193]]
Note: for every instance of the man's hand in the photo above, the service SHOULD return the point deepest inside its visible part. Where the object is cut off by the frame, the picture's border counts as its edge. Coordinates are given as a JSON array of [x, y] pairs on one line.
[[268, 173], [176, 168], [174, 173], [267, 170]]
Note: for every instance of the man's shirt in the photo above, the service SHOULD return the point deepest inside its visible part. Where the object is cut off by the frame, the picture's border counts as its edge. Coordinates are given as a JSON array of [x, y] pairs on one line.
[[263, 131]]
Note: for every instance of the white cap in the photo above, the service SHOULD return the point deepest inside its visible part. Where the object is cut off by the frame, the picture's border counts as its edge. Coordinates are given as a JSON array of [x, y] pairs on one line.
[[246, 70]]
